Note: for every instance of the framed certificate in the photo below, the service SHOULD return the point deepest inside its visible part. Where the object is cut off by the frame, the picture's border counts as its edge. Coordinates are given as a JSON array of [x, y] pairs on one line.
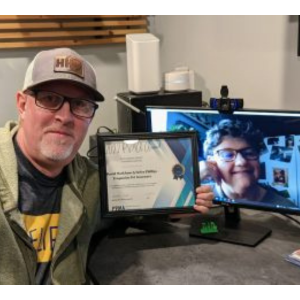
[[148, 173]]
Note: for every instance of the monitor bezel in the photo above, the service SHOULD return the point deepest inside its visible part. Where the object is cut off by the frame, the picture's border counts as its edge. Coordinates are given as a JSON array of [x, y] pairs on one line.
[[102, 139], [226, 204]]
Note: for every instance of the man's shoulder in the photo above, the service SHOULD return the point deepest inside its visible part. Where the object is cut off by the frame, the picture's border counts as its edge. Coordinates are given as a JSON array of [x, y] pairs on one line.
[[81, 170], [8, 167], [10, 127], [8, 130], [80, 162], [6, 137]]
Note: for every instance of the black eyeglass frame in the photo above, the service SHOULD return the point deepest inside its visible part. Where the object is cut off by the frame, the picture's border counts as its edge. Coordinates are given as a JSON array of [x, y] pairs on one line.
[[34, 93], [235, 153]]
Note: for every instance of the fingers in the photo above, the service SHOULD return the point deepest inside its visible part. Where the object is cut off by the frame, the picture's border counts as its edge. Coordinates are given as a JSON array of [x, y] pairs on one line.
[[206, 203], [205, 193], [203, 189], [204, 199], [201, 209]]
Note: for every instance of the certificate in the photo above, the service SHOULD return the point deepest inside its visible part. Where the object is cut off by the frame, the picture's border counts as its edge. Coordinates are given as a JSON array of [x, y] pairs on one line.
[[148, 173]]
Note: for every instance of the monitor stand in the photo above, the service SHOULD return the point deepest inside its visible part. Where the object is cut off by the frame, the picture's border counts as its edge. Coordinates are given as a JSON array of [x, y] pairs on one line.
[[229, 227], [134, 226]]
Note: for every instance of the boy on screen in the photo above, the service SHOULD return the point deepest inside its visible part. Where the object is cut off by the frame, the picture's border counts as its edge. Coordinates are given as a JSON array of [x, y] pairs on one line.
[[232, 149]]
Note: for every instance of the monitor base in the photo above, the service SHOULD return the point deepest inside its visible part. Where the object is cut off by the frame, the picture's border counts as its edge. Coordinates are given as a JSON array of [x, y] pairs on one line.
[[229, 230]]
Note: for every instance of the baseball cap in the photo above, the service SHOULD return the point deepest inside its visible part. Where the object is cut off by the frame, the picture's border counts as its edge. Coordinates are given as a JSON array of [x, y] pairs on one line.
[[61, 64]]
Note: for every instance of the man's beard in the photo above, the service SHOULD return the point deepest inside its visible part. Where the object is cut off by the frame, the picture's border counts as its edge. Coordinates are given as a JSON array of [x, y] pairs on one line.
[[56, 150]]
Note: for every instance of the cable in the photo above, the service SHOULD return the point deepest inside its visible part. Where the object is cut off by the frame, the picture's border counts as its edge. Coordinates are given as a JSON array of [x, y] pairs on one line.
[[89, 153], [105, 127], [293, 219]]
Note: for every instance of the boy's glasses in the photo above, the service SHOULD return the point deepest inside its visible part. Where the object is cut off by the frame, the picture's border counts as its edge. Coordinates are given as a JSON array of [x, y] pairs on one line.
[[229, 155]]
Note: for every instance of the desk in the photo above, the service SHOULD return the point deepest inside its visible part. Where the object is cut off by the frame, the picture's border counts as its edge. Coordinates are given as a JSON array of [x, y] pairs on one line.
[[174, 257]]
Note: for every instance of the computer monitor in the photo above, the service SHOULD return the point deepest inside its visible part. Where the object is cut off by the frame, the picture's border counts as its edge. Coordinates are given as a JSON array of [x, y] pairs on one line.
[[265, 143]]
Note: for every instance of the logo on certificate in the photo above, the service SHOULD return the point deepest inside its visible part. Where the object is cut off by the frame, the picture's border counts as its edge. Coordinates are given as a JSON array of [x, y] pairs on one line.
[[178, 171]]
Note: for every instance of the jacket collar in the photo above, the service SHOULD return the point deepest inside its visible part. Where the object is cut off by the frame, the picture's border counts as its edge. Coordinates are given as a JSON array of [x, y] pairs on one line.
[[8, 168], [71, 206]]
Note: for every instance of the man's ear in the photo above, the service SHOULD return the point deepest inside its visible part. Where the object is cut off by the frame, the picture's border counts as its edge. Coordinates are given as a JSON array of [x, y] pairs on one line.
[[21, 104]]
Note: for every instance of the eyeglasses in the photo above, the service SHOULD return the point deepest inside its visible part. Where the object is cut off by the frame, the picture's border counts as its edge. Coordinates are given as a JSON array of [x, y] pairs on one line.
[[229, 155], [49, 100]]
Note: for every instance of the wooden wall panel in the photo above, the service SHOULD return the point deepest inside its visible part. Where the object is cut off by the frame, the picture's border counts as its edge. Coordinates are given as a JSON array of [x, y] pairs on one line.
[[56, 31]]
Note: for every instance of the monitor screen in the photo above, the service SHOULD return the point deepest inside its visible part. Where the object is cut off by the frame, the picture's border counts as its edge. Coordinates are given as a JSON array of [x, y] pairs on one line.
[[250, 158]]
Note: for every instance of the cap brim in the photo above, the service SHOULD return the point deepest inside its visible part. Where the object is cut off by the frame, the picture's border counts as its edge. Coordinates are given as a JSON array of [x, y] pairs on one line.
[[98, 96]]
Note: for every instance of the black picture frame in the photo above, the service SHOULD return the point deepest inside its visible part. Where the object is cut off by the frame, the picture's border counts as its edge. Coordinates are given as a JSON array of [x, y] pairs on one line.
[[119, 211]]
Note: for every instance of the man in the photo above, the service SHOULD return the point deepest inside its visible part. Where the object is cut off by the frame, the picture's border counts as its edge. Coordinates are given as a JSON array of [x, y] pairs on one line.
[[49, 194]]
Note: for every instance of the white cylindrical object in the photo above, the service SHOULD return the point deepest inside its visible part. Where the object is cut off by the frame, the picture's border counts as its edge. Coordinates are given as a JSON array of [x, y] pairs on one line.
[[177, 81], [191, 79], [143, 67]]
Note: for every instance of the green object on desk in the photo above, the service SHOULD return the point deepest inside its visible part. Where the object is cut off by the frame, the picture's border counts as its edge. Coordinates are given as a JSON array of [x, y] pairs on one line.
[[209, 227]]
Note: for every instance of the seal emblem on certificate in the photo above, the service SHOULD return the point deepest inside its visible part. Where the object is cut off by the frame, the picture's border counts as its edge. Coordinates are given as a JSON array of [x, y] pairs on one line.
[[178, 171]]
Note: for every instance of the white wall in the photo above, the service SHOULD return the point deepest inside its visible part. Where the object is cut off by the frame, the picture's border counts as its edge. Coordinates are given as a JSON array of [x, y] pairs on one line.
[[256, 56], [110, 65]]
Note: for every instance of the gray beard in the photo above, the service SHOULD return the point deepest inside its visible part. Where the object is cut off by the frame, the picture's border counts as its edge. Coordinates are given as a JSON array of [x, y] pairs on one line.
[[63, 153]]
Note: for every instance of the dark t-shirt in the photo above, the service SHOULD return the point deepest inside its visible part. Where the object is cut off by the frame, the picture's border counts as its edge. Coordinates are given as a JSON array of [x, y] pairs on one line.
[[274, 198], [39, 202], [271, 198]]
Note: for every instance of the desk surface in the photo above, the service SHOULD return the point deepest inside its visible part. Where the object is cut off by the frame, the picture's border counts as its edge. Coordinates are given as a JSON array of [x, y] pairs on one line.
[[173, 257]]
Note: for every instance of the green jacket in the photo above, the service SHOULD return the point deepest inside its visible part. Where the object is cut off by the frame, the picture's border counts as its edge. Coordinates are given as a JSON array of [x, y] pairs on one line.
[[80, 213]]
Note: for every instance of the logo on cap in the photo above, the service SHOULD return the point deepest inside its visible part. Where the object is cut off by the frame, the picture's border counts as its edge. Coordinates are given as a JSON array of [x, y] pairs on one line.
[[69, 64]]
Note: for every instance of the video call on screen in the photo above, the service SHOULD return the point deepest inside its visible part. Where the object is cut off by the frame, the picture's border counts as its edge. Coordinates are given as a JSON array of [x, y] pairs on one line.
[[280, 155]]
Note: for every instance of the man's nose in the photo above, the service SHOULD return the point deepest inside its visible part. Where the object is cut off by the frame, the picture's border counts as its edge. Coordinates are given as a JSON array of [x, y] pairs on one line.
[[64, 113]]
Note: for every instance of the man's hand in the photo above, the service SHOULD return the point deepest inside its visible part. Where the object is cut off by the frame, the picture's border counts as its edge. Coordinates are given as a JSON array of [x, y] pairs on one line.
[[204, 199]]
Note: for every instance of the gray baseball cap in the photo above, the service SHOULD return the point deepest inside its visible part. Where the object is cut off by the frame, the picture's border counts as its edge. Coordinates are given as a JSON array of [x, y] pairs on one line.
[[61, 64]]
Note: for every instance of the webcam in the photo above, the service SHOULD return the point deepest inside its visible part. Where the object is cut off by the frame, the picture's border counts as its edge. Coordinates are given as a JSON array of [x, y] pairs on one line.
[[224, 104]]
